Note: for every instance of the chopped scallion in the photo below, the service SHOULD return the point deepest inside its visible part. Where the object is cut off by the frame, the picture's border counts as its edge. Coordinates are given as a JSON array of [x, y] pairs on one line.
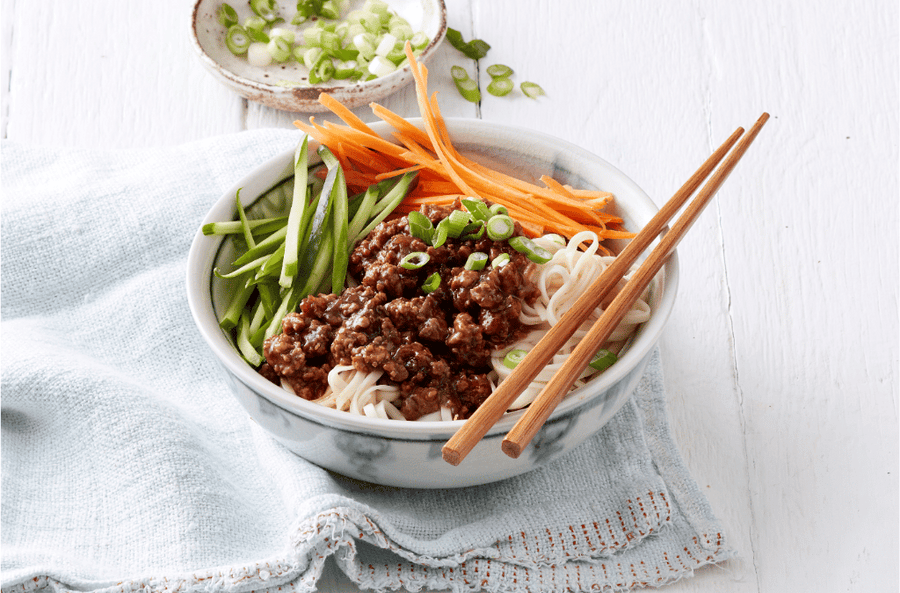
[[532, 90], [533, 252], [431, 283], [476, 261], [500, 87], [415, 260], [603, 360], [514, 357], [499, 71], [468, 88], [500, 260], [500, 227], [227, 15], [237, 40]]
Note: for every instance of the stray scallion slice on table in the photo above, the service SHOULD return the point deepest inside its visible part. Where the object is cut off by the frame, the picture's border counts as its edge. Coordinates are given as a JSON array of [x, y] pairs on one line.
[[532, 90], [499, 71], [475, 49], [500, 87], [468, 88]]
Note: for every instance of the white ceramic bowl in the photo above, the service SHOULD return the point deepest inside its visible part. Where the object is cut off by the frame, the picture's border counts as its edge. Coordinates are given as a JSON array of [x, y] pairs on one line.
[[274, 85], [398, 453]]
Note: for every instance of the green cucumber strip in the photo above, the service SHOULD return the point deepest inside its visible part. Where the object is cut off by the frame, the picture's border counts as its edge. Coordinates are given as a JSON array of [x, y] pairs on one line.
[[320, 221], [289, 300], [341, 248], [264, 247], [242, 216], [321, 265], [387, 204], [258, 226], [233, 312], [364, 211], [245, 268], [295, 215], [250, 354], [272, 267]]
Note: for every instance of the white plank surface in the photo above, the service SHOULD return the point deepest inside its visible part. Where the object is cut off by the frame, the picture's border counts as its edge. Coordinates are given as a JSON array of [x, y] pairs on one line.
[[781, 357]]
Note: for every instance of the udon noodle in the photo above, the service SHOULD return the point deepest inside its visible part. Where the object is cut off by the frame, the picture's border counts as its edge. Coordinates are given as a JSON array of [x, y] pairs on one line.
[[561, 281]]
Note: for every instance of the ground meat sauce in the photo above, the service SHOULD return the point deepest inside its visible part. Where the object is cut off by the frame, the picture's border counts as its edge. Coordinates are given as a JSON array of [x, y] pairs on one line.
[[435, 347]]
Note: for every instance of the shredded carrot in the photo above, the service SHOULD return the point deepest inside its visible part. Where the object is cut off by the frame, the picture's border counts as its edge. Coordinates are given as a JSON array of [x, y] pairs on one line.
[[397, 172], [445, 174]]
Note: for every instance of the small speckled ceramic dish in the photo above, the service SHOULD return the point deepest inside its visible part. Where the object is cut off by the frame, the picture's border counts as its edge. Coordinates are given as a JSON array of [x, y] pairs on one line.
[[401, 453], [286, 86]]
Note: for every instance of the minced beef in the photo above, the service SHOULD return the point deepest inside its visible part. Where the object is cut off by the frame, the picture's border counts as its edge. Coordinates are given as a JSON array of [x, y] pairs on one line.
[[435, 347]]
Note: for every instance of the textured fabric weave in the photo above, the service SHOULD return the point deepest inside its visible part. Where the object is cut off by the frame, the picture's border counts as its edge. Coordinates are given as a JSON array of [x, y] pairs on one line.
[[127, 466]]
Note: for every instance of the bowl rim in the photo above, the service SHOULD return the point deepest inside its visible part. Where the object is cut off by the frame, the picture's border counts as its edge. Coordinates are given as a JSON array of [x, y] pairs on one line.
[[256, 86], [199, 283]]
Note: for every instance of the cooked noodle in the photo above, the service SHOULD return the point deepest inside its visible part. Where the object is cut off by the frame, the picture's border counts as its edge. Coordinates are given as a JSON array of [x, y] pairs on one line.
[[561, 281]]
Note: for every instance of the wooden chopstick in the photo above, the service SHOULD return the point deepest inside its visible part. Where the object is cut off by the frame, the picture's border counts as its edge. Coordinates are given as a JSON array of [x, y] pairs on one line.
[[490, 411], [555, 389]]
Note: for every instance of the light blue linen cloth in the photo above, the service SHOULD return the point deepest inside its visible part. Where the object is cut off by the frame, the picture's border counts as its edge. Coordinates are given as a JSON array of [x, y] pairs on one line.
[[127, 466]]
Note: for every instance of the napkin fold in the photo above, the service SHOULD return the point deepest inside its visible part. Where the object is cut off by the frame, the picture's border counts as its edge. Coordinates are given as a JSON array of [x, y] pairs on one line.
[[127, 465]]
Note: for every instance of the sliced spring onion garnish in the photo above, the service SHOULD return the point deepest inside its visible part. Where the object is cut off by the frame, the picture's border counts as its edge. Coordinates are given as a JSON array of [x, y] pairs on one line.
[[603, 360], [227, 15], [532, 90], [499, 71], [468, 88], [420, 226], [498, 209], [500, 260], [419, 40], [533, 252], [258, 54], [459, 73], [237, 40], [431, 283], [415, 260], [381, 66], [500, 87], [457, 223], [267, 9], [279, 48], [500, 227], [476, 261], [477, 208], [474, 231], [441, 232], [514, 357], [475, 49]]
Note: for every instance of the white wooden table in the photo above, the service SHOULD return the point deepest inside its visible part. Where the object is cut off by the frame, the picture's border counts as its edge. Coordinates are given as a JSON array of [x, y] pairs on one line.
[[781, 357]]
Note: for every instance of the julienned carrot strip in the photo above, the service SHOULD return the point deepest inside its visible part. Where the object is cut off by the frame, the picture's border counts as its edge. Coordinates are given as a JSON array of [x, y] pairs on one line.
[[398, 172], [345, 114], [400, 124]]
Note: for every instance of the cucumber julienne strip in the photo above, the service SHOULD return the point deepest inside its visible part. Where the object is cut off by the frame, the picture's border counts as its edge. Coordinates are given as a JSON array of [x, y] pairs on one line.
[[260, 225], [295, 216]]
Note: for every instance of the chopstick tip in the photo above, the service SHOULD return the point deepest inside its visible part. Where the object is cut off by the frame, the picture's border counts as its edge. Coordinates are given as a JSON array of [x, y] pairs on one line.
[[511, 448], [451, 456]]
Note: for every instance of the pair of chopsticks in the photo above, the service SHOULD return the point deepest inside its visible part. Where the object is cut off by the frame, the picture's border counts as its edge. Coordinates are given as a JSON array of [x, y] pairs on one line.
[[490, 411]]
